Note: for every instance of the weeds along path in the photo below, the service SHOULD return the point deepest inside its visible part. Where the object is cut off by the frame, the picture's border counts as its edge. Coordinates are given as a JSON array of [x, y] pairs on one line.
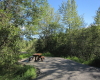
[[56, 68]]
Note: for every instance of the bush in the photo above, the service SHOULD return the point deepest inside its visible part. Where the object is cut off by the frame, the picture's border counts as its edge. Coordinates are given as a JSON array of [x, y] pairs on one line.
[[95, 62]]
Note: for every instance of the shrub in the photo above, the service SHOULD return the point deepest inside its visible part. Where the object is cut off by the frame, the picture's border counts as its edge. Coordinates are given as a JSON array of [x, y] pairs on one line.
[[95, 62]]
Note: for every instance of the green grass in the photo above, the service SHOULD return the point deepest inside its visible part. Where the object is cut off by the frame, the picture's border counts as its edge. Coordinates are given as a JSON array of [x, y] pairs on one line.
[[25, 55], [25, 73], [22, 73], [92, 62], [74, 58]]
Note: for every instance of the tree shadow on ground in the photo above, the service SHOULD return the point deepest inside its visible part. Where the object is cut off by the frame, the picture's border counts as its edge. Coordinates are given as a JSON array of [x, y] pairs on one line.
[[59, 68]]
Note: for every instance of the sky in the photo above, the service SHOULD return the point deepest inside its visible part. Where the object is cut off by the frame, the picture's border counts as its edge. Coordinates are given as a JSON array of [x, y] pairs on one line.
[[86, 8]]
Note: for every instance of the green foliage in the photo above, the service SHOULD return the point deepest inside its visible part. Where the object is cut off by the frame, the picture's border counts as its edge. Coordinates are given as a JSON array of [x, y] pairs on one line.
[[95, 62], [55, 38], [28, 46], [49, 26], [19, 10], [47, 54], [74, 58], [25, 13], [92, 62], [84, 44], [21, 73], [25, 73], [25, 55], [70, 16], [70, 39], [97, 17], [9, 46]]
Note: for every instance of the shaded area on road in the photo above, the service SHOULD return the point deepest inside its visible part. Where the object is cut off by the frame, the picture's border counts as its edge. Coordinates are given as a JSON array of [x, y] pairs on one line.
[[61, 69]]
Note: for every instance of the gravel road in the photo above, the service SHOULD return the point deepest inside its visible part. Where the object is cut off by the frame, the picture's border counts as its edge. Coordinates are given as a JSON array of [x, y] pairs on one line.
[[56, 68]]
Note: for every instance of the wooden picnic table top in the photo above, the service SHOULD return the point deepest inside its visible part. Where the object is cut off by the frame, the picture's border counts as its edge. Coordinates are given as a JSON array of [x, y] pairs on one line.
[[37, 54]]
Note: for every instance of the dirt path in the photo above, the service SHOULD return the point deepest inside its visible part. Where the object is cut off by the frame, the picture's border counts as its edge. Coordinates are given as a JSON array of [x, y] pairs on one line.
[[56, 68]]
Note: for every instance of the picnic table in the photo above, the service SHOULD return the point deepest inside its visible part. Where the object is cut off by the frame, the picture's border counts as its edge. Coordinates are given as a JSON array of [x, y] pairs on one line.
[[37, 55]]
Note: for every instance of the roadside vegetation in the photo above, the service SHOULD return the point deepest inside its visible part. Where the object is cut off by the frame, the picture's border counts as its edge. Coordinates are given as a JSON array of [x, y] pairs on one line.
[[19, 72], [25, 55], [92, 62]]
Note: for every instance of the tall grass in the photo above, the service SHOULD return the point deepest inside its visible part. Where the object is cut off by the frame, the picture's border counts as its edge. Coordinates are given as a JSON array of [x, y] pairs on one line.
[[91, 62], [26, 73], [79, 60], [22, 73]]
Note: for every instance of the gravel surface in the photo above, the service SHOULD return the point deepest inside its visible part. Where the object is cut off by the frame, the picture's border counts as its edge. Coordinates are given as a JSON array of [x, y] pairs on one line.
[[56, 68]]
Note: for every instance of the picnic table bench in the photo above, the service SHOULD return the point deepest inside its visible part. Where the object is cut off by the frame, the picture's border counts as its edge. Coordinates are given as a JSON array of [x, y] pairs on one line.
[[37, 56]]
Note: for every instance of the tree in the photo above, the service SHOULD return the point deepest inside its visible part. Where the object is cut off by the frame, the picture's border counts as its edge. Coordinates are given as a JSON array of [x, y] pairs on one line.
[[48, 28], [25, 13], [70, 15], [16, 8], [13, 15], [9, 43], [97, 17], [37, 14], [71, 20], [48, 22]]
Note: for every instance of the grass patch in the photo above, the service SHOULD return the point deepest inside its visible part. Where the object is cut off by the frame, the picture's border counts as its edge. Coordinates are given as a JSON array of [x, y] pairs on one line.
[[25, 55], [22, 73], [25, 73], [74, 58], [92, 62]]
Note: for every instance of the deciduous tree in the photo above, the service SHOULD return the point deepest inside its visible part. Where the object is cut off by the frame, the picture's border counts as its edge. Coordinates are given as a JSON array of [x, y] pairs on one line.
[[70, 15]]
